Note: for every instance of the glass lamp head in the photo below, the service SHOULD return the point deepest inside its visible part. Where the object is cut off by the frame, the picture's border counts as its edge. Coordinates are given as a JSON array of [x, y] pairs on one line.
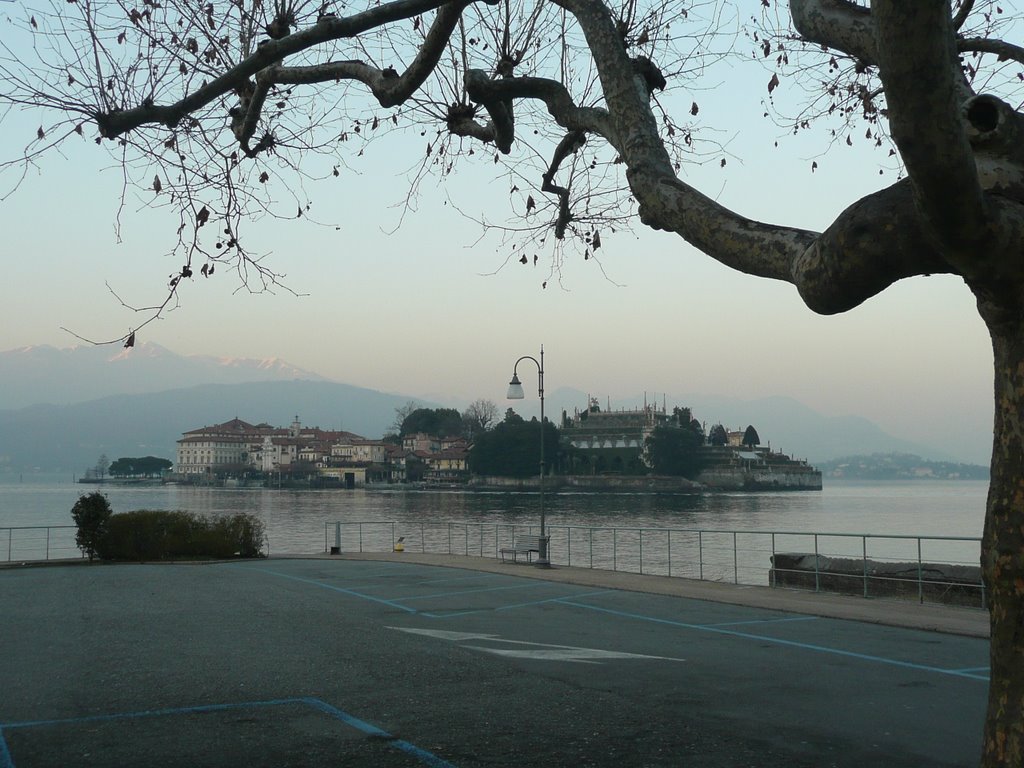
[[515, 389]]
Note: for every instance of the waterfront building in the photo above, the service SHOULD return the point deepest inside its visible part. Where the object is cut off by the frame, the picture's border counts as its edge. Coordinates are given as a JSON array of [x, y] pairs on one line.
[[611, 441]]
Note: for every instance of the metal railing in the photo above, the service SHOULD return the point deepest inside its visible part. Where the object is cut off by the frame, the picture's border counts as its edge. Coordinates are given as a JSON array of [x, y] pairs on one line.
[[38, 542], [927, 568]]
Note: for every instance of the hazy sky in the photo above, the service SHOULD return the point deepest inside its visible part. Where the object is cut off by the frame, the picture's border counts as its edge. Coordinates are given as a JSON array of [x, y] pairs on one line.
[[422, 311]]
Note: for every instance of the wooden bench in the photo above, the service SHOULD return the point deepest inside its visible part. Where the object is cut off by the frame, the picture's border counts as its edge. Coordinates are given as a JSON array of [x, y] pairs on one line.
[[522, 545]]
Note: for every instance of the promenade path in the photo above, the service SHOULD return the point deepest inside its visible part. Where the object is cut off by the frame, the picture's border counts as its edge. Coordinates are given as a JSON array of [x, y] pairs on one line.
[[410, 660]]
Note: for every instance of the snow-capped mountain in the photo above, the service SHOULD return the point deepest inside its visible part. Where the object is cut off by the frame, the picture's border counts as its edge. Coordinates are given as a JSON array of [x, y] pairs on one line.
[[45, 374]]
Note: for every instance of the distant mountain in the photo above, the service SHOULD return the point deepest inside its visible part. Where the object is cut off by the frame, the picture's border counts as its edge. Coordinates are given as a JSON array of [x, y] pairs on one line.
[[44, 374], [58, 412], [795, 429], [72, 437], [788, 425], [900, 466]]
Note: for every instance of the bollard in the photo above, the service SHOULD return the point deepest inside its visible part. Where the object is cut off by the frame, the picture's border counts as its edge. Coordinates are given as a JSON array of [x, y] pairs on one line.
[[336, 549]]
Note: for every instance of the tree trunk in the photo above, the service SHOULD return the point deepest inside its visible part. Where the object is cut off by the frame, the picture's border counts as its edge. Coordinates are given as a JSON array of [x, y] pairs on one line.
[[1003, 551]]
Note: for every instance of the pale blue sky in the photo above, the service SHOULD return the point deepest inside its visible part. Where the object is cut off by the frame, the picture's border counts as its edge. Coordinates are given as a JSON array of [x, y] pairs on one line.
[[416, 312]]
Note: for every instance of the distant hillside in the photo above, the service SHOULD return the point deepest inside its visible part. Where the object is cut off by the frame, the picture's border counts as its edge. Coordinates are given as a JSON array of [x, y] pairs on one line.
[[900, 466], [44, 374], [70, 438], [790, 426]]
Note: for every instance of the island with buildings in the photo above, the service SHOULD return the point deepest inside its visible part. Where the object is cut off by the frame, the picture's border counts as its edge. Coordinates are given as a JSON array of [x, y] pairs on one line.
[[643, 448]]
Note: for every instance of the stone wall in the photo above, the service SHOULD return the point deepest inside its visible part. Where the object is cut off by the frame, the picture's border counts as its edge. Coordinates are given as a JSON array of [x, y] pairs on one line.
[[737, 479], [932, 582], [625, 483]]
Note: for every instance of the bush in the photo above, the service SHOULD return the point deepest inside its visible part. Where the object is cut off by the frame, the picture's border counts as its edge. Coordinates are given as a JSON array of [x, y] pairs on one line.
[[163, 535], [91, 514]]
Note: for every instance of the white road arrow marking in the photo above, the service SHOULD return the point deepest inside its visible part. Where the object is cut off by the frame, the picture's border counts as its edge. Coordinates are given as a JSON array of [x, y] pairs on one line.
[[441, 634], [537, 651]]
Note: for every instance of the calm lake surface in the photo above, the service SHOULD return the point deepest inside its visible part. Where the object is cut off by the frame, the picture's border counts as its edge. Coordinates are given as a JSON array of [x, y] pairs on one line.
[[296, 520]]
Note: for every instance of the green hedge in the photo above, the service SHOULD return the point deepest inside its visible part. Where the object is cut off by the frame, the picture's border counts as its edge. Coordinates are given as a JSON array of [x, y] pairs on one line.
[[162, 535]]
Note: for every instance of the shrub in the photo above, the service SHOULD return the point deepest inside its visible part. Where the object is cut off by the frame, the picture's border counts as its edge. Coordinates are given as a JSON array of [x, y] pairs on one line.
[[91, 514], [163, 535]]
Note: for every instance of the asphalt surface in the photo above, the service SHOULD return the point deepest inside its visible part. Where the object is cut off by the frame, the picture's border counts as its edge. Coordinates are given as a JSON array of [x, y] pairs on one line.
[[410, 661]]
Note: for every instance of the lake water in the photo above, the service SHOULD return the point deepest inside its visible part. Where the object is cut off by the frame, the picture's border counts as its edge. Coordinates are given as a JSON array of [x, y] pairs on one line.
[[301, 521]]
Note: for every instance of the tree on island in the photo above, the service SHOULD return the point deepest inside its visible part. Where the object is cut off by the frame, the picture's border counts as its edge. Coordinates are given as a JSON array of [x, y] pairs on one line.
[[478, 417], [102, 465], [674, 451], [718, 436], [439, 422], [750, 437], [512, 448], [145, 466], [208, 105]]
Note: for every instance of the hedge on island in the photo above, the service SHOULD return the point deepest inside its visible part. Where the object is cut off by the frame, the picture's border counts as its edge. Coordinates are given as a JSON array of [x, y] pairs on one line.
[[166, 535]]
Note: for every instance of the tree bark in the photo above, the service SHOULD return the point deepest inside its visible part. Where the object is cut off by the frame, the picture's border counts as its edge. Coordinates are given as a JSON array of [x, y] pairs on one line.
[[1003, 552]]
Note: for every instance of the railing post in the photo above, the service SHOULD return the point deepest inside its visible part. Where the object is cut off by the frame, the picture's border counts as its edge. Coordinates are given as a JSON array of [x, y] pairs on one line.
[[615, 549], [568, 545], [920, 583], [817, 577], [591, 530], [641, 551], [669, 552], [864, 548], [360, 537], [392, 535], [774, 574], [47, 542], [700, 553], [735, 560]]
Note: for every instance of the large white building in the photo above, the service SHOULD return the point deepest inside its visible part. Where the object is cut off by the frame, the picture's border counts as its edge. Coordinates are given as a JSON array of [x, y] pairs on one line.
[[236, 446], [220, 448]]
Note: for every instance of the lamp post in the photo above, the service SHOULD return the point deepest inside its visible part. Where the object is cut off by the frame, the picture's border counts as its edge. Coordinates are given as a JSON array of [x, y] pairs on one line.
[[515, 392]]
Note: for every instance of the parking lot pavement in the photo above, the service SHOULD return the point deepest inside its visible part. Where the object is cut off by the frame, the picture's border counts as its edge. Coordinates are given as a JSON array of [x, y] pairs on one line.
[[333, 661]]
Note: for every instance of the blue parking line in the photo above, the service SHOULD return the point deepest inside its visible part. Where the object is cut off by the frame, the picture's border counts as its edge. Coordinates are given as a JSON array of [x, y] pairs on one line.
[[763, 621], [395, 604], [5, 754], [779, 641], [551, 600], [486, 576], [425, 757], [422, 755], [350, 592], [150, 713], [471, 591], [453, 614]]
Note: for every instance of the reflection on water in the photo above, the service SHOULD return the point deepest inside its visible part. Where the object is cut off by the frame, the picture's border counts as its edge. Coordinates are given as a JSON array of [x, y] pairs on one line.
[[295, 519]]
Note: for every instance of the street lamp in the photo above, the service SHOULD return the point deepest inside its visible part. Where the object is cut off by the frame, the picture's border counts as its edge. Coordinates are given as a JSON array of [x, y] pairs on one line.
[[515, 392]]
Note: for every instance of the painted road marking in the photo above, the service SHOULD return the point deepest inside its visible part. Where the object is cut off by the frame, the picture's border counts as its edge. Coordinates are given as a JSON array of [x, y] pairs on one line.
[[785, 620], [536, 651], [975, 673], [422, 755], [780, 641]]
